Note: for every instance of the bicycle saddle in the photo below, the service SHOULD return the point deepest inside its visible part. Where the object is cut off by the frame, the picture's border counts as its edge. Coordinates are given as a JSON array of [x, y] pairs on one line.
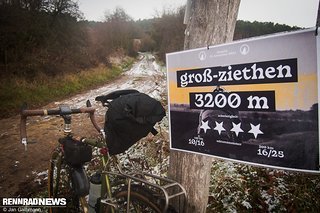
[[105, 99]]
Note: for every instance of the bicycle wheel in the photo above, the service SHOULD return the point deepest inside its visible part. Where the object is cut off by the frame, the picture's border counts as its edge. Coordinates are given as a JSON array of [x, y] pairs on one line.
[[59, 185], [141, 200]]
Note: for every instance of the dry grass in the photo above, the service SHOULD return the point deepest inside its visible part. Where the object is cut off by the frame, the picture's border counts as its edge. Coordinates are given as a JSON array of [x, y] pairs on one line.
[[16, 91]]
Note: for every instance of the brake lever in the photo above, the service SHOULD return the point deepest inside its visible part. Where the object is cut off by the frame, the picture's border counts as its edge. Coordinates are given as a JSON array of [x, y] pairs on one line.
[[23, 133], [88, 103], [25, 143]]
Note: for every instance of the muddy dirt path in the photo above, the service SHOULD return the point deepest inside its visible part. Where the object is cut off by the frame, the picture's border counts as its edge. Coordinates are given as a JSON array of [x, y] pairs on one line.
[[19, 168]]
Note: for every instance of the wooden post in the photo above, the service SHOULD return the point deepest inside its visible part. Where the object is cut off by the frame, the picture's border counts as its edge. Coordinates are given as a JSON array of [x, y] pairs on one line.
[[318, 16], [210, 22]]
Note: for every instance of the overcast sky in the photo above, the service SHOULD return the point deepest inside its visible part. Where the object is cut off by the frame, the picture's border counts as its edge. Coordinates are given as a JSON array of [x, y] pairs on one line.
[[301, 13]]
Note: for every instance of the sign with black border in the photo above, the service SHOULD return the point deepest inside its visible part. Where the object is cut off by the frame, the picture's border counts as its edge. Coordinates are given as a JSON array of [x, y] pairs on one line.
[[253, 101]]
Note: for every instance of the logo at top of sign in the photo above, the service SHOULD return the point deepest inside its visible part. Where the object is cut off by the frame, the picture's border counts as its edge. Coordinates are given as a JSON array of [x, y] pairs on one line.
[[244, 49], [202, 56]]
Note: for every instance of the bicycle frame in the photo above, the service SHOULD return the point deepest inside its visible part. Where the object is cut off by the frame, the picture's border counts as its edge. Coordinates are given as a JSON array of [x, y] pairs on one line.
[[168, 189], [106, 185]]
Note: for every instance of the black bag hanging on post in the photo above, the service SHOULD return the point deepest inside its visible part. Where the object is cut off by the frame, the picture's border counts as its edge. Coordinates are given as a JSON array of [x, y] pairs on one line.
[[130, 118], [75, 152]]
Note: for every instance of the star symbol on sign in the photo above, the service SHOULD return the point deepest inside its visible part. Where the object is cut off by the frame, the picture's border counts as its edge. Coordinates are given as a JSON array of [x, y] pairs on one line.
[[255, 130], [236, 128], [205, 126], [219, 127]]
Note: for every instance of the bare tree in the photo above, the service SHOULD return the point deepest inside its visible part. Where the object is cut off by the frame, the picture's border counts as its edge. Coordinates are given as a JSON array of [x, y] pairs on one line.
[[210, 22], [318, 16]]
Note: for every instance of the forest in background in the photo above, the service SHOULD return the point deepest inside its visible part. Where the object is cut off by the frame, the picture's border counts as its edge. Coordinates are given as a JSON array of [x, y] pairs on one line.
[[51, 37], [48, 51]]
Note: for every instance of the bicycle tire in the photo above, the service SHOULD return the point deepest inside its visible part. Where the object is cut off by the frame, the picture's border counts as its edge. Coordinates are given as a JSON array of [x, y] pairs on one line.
[[59, 184], [141, 200]]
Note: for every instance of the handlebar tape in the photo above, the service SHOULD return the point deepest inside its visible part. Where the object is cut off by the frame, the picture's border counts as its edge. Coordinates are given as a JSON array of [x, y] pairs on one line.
[[25, 113]]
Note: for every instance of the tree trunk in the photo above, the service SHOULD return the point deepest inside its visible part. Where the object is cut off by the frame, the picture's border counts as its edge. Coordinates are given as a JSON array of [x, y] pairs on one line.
[[318, 16], [211, 22]]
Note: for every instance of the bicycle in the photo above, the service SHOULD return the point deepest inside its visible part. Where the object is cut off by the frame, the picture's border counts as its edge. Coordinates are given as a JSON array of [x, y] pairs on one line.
[[119, 191]]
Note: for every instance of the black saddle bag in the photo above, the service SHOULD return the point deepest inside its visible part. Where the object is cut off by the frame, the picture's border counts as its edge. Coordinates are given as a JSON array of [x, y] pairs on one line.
[[129, 118]]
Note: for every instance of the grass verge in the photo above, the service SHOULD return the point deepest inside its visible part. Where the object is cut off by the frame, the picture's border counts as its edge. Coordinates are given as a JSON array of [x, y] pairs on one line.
[[16, 91]]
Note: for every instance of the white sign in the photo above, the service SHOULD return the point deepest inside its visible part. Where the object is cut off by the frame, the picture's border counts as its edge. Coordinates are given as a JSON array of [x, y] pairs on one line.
[[252, 101]]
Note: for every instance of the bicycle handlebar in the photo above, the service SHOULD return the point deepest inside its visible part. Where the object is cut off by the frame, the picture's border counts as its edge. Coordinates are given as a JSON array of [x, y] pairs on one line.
[[26, 112]]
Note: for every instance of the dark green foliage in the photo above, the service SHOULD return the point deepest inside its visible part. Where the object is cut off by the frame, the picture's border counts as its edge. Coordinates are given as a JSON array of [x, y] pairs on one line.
[[246, 29], [40, 36], [167, 32]]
